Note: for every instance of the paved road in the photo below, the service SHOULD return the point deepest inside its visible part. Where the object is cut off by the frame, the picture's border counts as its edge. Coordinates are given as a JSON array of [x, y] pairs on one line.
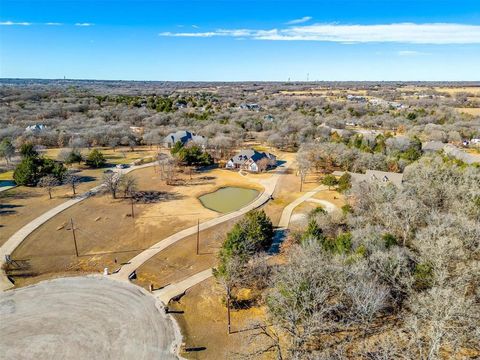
[[172, 290], [287, 211], [269, 186], [89, 317], [180, 287], [16, 239], [327, 205], [5, 188]]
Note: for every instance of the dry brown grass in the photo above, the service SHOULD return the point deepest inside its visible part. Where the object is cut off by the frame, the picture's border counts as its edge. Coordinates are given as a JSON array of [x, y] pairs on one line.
[[470, 111], [105, 231]]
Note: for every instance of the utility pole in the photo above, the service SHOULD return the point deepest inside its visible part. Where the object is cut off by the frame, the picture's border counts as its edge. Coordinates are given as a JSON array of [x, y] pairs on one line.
[[133, 214], [228, 312], [74, 237], [198, 235]]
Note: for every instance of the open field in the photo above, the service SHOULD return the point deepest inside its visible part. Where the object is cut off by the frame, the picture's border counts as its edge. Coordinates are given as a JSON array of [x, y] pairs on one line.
[[120, 155], [470, 111], [22, 204], [7, 175], [455, 90], [84, 318], [105, 232], [204, 304]]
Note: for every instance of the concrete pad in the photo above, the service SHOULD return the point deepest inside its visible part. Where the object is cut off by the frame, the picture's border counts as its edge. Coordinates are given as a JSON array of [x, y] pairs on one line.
[[84, 318]]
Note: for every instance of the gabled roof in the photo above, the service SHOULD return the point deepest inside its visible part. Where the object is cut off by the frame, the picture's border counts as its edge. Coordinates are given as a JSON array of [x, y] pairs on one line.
[[183, 136], [374, 175], [250, 154]]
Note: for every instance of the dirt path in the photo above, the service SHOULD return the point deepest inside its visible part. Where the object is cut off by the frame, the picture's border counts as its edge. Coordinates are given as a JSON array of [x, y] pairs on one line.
[[16, 239], [89, 317]]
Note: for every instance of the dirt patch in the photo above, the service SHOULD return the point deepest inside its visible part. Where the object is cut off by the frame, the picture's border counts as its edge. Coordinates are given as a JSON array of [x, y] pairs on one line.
[[204, 323]]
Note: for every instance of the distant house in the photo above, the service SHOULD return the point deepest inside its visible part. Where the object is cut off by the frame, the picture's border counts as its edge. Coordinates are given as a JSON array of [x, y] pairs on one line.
[[182, 136], [375, 175], [356, 98], [181, 105], [36, 128], [252, 160], [250, 106]]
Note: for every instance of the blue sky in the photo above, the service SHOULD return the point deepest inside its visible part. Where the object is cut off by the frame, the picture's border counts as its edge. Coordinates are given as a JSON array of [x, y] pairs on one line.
[[241, 40]]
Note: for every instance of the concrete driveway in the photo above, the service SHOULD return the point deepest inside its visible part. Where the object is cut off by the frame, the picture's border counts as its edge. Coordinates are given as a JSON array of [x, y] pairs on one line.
[[89, 317]]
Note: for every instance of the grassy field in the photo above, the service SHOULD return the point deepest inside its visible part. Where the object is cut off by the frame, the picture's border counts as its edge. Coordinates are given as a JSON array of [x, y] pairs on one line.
[[455, 90], [470, 111], [8, 175], [107, 236], [106, 231], [121, 155]]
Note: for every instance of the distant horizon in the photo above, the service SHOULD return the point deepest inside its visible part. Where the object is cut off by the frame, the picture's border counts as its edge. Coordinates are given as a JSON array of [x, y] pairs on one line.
[[473, 82]]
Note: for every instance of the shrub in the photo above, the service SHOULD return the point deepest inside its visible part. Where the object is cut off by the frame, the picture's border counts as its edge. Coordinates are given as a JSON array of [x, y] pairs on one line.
[[251, 234], [423, 275], [73, 156], [389, 240], [329, 180], [26, 172], [32, 167], [313, 232], [95, 159], [344, 182]]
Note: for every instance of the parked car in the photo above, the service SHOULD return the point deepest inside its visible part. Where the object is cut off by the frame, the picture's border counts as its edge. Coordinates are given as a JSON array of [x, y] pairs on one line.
[[121, 166]]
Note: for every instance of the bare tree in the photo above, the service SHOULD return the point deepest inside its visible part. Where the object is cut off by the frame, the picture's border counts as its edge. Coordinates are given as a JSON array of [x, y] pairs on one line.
[[48, 182], [129, 185], [112, 181], [73, 180], [304, 166]]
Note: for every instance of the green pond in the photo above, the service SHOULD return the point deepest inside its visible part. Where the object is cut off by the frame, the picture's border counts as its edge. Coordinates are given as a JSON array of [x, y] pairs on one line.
[[228, 199]]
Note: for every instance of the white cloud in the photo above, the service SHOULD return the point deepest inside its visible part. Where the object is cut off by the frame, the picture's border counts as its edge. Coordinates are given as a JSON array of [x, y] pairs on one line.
[[11, 23], [85, 24], [53, 24], [435, 33], [411, 53], [195, 26], [299, 21]]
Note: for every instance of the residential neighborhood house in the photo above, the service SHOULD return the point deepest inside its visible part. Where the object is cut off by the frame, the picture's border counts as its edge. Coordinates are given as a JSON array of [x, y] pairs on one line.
[[36, 128], [184, 137], [252, 160], [374, 175], [251, 107]]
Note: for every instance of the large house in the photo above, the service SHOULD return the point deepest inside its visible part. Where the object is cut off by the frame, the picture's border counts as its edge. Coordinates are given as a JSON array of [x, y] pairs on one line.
[[36, 128], [252, 160], [250, 106], [182, 136], [375, 175]]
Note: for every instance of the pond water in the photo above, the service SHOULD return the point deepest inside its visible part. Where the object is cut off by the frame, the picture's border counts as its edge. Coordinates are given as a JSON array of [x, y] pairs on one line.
[[228, 199]]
